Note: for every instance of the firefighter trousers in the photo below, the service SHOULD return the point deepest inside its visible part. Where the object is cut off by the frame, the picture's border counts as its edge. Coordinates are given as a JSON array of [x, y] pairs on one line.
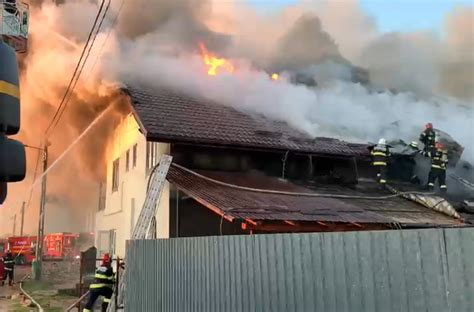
[[9, 275], [381, 174], [106, 292], [437, 174]]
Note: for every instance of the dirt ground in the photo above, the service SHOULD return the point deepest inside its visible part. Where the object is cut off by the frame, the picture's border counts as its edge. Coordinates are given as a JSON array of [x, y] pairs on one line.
[[7, 292], [56, 276]]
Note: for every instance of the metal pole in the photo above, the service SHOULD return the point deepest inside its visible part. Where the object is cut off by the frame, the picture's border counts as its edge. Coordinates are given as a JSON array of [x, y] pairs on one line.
[[117, 281], [14, 224], [81, 273], [22, 218], [39, 242]]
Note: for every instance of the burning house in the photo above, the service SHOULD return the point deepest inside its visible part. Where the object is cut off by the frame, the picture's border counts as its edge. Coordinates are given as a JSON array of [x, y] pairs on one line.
[[234, 173]]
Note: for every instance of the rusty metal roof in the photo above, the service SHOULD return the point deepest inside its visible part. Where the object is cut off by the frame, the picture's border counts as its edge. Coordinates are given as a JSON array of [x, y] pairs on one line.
[[241, 203], [171, 117]]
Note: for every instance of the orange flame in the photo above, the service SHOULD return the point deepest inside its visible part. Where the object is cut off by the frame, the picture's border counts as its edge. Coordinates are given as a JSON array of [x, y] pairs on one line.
[[275, 76], [214, 63]]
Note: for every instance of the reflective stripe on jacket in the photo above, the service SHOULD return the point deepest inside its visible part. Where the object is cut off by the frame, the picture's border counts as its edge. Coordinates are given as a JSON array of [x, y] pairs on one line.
[[104, 277], [9, 263], [380, 155], [428, 137], [439, 159]]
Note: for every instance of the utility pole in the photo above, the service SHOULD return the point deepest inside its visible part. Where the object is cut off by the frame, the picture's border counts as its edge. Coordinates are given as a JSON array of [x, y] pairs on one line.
[[22, 218], [14, 225], [39, 241]]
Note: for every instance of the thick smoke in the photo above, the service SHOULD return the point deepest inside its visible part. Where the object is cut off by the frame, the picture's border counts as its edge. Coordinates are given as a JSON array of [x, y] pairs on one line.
[[156, 43]]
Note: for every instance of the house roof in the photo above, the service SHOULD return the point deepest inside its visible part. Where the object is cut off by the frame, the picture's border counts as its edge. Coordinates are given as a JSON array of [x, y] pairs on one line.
[[228, 194], [170, 117]]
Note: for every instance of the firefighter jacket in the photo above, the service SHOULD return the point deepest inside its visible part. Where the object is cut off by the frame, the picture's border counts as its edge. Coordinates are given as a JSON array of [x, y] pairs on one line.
[[9, 262], [439, 158], [428, 138], [380, 155], [104, 277]]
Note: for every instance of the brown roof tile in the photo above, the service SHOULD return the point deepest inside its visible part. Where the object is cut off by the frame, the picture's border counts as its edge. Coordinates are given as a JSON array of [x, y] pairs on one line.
[[170, 117]]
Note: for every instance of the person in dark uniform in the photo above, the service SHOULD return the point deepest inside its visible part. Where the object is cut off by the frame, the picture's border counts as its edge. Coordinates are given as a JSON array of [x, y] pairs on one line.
[[439, 161], [380, 154], [9, 263], [428, 137], [104, 281], [2, 271]]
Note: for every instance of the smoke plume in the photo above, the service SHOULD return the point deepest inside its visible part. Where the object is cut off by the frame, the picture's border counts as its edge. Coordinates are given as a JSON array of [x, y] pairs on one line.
[[155, 43]]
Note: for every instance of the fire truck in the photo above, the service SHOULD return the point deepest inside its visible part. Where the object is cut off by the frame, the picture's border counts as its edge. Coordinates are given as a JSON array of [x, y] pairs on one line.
[[59, 246], [56, 246], [22, 248], [3, 246]]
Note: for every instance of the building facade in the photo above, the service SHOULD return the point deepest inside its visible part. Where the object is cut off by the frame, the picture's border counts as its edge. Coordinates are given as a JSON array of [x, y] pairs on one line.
[[235, 174], [128, 167]]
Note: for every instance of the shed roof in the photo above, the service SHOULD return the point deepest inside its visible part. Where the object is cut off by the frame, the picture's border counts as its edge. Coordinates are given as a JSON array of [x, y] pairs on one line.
[[171, 117], [231, 194]]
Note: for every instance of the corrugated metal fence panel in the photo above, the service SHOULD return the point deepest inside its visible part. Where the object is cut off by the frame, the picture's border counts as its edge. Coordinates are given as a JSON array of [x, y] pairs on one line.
[[416, 270]]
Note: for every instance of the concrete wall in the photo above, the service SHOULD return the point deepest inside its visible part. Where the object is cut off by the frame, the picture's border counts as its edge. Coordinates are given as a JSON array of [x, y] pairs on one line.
[[122, 207]]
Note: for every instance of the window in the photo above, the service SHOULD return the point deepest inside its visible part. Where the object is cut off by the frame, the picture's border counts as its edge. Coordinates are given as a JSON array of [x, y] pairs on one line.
[[115, 175], [113, 242], [134, 156], [127, 160], [151, 155]]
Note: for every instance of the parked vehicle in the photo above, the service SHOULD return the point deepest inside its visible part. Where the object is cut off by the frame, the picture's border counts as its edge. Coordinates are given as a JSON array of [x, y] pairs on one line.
[[22, 248]]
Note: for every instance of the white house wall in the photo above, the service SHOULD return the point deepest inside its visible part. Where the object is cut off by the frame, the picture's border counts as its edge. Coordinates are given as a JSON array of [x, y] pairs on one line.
[[119, 214]]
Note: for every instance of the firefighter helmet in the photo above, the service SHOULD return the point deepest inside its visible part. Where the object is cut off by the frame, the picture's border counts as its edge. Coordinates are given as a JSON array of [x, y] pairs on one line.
[[105, 259], [439, 145], [382, 141], [429, 125]]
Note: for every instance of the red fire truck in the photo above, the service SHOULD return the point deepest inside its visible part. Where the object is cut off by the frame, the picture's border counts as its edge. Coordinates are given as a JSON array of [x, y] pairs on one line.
[[56, 246], [60, 246], [22, 248], [3, 246]]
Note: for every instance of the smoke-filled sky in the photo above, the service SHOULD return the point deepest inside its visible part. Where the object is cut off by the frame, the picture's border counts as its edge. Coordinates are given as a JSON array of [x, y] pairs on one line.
[[156, 43]]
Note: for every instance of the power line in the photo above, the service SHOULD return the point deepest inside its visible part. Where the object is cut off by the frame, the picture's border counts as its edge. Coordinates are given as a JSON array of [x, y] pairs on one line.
[[82, 66], [63, 101], [106, 39]]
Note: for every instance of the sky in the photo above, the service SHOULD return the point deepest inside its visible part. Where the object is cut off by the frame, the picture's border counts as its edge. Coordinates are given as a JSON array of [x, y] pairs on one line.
[[391, 15]]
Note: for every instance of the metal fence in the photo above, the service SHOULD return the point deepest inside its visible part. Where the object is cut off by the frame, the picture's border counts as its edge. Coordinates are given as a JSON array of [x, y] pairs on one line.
[[410, 270]]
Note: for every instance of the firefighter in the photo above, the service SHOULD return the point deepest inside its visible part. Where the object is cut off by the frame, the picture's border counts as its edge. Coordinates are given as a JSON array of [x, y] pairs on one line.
[[9, 264], [380, 154], [439, 161], [428, 137], [104, 281], [2, 271]]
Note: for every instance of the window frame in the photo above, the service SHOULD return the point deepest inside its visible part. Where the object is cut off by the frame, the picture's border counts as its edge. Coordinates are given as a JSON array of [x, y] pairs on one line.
[[115, 175], [127, 160], [134, 155]]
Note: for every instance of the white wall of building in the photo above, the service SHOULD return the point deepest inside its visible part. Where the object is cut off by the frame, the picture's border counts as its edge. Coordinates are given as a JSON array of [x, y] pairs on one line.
[[123, 204]]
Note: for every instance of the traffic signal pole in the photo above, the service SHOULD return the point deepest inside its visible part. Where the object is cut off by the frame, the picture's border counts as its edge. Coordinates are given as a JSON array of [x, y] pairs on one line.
[[39, 242], [22, 218]]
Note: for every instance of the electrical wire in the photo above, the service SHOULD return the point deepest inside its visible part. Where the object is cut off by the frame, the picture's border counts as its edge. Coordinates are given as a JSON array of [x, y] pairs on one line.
[[82, 66], [257, 190], [63, 103], [99, 55]]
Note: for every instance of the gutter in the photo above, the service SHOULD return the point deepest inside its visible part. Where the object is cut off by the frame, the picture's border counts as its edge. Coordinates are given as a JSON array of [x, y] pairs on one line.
[[40, 309]]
